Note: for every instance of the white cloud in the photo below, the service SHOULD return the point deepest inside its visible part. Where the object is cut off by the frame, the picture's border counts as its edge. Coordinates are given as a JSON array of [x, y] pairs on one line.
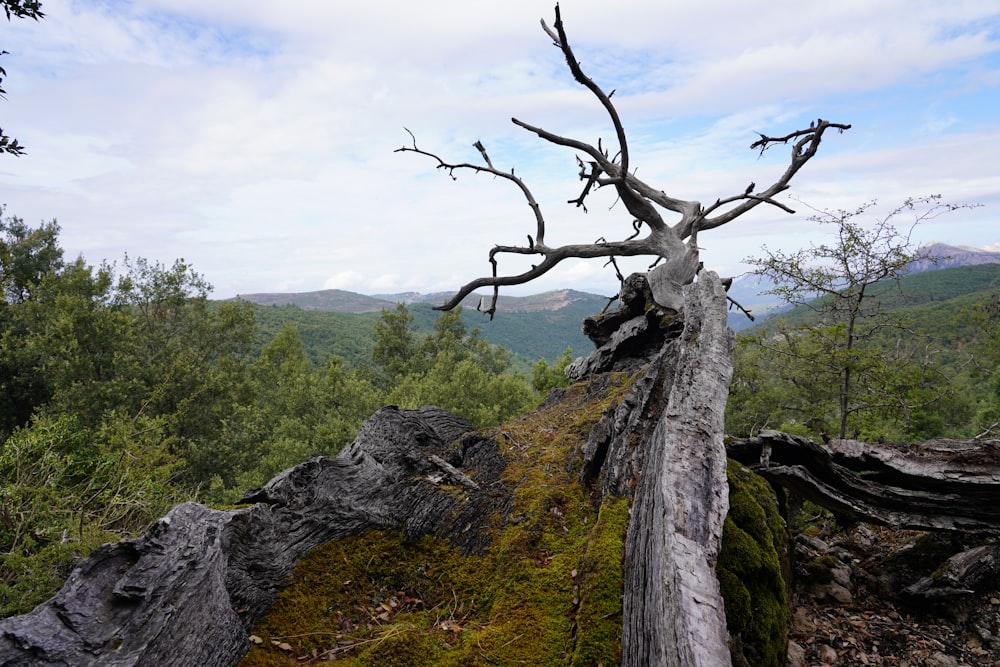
[[256, 140], [344, 280]]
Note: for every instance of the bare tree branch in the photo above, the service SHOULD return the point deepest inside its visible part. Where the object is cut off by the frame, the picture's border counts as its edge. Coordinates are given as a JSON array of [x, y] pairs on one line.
[[675, 243]]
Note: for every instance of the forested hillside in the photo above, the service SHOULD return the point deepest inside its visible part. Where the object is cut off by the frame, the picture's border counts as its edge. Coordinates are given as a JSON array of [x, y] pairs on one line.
[[934, 364], [538, 329], [931, 289], [126, 389]]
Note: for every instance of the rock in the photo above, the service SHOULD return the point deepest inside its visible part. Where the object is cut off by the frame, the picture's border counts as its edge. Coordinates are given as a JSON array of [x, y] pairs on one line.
[[811, 544], [796, 655], [939, 659], [841, 576], [862, 537], [827, 654], [831, 592], [802, 621]]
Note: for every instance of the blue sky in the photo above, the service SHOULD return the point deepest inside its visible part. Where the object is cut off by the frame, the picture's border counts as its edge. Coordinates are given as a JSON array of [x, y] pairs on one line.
[[255, 139]]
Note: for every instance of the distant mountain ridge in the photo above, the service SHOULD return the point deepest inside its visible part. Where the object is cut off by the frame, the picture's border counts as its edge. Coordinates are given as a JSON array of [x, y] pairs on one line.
[[746, 289], [536, 326], [948, 256], [342, 301]]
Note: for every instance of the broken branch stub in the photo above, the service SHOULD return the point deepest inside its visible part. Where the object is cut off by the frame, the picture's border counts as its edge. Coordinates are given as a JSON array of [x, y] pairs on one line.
[[674, 242]]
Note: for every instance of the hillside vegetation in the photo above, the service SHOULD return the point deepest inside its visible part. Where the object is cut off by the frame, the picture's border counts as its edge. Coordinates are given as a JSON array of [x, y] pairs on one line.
[[943, 356], [125, 390], [534, 330]]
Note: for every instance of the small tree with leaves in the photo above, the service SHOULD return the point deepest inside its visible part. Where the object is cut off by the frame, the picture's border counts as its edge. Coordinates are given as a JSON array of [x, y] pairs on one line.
[[851, 350]]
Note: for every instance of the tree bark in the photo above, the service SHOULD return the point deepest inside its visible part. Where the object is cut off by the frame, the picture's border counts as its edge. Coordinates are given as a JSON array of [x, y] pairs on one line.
[[673, 611], [189, 591], [935, 485]]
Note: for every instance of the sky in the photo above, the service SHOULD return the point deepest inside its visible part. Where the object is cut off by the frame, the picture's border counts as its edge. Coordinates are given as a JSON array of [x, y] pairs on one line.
[[256, 140]]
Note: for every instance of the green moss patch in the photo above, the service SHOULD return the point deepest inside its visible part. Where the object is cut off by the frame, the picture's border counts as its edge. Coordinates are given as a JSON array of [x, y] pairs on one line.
[[547, 591], [752, 572]]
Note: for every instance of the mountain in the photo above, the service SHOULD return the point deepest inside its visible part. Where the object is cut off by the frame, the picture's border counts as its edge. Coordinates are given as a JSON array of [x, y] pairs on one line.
[[342, 301], [336, 300], [938, 302], [538, 326], [951, 255], [748, 289]]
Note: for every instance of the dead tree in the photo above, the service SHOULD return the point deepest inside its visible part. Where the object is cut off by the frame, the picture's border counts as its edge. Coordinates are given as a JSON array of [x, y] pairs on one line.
[[674, 243], [672, 612], [938, 485]]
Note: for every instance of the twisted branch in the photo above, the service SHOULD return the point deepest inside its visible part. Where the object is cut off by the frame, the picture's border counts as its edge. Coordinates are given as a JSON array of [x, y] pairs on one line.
[[642, 201]]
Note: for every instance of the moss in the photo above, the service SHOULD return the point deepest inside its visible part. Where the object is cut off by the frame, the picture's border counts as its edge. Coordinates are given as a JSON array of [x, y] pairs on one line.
[[738, 601], [403, 647], [819, 569], [547, 591], [752, 571], [598, 617]]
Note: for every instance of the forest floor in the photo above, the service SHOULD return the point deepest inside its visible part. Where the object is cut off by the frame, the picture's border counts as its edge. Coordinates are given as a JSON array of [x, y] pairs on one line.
[[847, 608]]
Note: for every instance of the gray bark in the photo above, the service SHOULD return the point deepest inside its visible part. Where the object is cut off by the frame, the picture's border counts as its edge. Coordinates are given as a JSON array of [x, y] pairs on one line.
[[673, 612], [936, 485], [189, 591], [958, 580]]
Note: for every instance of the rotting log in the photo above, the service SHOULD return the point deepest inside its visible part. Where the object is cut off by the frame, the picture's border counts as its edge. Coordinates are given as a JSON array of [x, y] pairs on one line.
[[945, 485]]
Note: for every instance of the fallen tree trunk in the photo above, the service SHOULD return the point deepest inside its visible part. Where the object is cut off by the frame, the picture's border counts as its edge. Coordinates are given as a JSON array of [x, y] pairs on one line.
[[936, 485], [189, 591]]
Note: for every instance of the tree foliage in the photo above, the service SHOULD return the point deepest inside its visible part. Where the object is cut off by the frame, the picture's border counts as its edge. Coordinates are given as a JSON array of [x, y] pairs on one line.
[[853, 362], [22, 9], [451, 367]]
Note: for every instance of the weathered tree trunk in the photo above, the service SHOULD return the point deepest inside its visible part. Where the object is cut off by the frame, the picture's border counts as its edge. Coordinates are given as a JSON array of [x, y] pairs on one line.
[[936, 485], [189, 591], [673, 612]]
